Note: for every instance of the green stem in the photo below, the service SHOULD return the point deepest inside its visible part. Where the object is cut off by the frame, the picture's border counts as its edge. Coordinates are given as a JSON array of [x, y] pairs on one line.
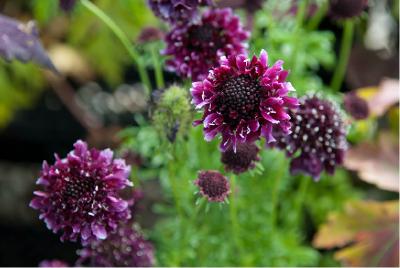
[[345, 49], [233, 216], [318, 16], [301, 193], [297, 32], [124, 40], [274, 201], [157, 68], [175, 195]]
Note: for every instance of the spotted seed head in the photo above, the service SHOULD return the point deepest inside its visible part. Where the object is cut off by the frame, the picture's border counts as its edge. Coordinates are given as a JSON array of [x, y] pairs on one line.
[[81, 194], [125, 247], [243, 159], [213, 185], [318, 136]]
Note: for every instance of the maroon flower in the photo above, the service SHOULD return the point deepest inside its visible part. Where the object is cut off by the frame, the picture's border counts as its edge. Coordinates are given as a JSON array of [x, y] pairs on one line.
[[195, 48], [213, 185], [318, 137], [243, 100], [80, 195], [344, 9], [177, 11], [125, 247], [150, 34], [242, 160], [356, 106], [53, 263], [67, 5]]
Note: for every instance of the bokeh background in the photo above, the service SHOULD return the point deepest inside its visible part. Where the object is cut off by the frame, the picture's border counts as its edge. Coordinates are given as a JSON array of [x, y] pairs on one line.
[[99, 92]]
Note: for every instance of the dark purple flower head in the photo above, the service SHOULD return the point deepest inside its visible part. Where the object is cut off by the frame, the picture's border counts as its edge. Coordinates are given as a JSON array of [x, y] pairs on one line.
[[150, 34], [213, 185], [67, 5], [243, 100], [345, 9], [177, 11], [242, 160], [81, 194], [125, 247], [53, 263], [318, 137], [196, 48], [356, 106]]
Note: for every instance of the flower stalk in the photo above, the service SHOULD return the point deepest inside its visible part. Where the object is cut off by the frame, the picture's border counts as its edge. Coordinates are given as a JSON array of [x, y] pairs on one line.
[[124, 40], [345, 49]]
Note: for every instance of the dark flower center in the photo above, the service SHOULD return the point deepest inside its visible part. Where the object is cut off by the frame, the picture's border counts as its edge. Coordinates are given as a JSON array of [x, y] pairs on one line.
[[205, 36], [77, 188], [213, 186], [239, 98]]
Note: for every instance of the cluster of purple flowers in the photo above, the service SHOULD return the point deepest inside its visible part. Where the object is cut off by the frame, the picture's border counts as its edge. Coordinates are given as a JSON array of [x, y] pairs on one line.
[[81, 197], [244, 99]]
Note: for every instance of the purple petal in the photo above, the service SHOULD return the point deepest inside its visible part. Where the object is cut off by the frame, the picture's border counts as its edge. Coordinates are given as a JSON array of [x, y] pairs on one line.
[[99, 231]]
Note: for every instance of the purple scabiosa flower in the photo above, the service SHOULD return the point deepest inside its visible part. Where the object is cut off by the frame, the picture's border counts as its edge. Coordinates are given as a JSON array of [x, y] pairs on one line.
[[318, 137], [53, 263], [243, 100], [213, 185], [345, 9], [177, 11], [81, 194], [195, 48], [124, 247], [67, 5], [242, 160], [356, 106]]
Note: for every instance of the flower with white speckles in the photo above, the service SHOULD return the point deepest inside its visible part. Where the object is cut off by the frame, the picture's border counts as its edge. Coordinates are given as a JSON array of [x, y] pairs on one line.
[[318, 136], [80, 196]]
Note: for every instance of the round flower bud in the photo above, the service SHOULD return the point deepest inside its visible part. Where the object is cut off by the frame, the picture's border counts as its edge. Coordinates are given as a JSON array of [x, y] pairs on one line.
[[242, 160], [213, 185]]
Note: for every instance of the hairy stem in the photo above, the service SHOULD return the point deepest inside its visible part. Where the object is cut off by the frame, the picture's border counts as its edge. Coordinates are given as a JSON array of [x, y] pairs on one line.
[[124, 40], [345, 49], [157, 68]]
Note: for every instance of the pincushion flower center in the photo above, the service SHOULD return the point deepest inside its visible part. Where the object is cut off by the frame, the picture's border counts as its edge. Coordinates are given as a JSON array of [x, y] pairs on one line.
[[239, 98], [76, 188], [206, 36]]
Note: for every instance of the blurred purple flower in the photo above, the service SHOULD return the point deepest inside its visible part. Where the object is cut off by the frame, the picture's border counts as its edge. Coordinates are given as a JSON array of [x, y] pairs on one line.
[[80, 195], [356, 106], [177, 11], [53, 263], [195, 48], [244, 99], [21, 42], [124, 247], [242, 160], [345, 9], [67, 5], [213, 185], [319, 137], [150, 34]]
